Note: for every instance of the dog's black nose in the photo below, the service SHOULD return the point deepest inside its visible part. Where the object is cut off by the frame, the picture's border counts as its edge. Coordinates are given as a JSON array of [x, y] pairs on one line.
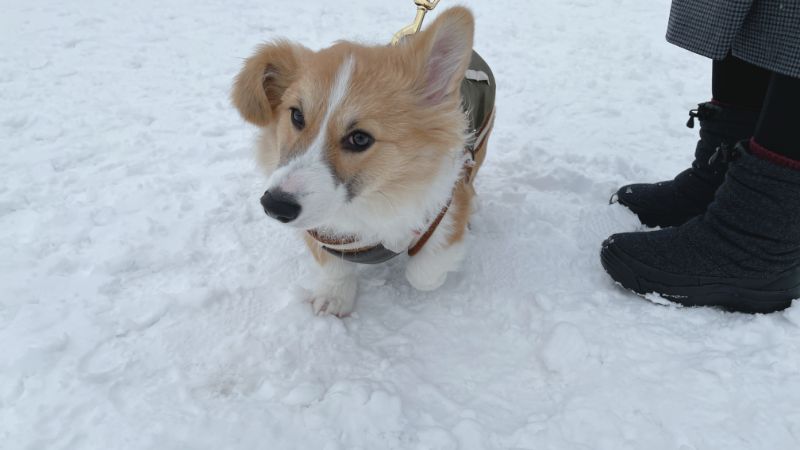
[[280, 205]]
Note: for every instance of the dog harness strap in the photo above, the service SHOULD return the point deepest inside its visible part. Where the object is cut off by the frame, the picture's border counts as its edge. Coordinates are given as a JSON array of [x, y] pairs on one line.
[[424, 238], [478, 146], [369, 255], [478, 96], [374, 254]]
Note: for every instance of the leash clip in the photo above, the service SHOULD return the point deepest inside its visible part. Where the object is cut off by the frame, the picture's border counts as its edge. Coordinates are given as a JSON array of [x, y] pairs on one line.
[[423, 6]]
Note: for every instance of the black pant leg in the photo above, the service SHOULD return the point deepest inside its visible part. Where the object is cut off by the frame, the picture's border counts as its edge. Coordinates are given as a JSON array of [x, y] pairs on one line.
[[778, 126], [738, 83]]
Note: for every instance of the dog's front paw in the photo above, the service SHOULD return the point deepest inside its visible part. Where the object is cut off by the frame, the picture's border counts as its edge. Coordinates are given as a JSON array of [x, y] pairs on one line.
[[336, 299], [428, 270], [424, 280], [331, 305]]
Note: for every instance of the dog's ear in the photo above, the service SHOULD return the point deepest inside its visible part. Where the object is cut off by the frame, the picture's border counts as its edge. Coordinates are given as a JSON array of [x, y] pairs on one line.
[[264, 78], [446, 47]]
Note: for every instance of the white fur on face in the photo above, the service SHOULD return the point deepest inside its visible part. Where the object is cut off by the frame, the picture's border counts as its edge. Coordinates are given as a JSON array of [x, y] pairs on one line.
[[308, 177]]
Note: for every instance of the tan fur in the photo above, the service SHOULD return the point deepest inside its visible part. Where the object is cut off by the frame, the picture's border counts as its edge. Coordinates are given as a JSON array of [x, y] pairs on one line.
[[264, 78], [461, 206], [319, 254]]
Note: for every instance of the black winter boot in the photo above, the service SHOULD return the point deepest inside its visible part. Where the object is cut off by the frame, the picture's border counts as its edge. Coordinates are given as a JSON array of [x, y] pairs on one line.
[[671, 203], [743, 254]]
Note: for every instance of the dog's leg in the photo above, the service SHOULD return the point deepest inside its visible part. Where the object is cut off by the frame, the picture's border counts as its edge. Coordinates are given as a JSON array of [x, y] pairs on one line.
[[335, 291], [445, 250], [428, 269]]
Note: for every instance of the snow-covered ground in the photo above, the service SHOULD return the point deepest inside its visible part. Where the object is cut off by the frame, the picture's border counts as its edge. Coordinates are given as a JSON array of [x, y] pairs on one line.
[[146, 302]]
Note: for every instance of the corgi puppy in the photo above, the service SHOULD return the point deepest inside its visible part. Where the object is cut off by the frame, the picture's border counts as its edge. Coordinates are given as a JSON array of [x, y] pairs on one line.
[[372, 151]]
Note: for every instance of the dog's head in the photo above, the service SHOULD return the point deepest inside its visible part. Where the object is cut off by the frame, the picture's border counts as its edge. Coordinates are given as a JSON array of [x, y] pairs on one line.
[[353, 126]]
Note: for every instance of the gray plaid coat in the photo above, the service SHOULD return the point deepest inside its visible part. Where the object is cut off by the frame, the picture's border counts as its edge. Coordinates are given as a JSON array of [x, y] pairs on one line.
[[762, 32]]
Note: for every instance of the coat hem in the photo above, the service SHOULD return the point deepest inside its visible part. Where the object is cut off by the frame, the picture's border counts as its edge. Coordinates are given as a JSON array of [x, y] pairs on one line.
[[701, 50]]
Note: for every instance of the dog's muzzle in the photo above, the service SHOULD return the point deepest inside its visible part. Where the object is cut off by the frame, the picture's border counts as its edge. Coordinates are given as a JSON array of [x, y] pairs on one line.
[[280, 205]]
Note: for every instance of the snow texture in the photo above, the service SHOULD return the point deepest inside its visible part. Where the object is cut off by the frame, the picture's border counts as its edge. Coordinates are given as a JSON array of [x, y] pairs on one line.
[[146, 302]]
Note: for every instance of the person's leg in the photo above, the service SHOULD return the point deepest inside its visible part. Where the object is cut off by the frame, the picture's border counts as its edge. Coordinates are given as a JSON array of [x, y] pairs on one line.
[[743, 253], [738, 88], [738, 83], [778, 129]]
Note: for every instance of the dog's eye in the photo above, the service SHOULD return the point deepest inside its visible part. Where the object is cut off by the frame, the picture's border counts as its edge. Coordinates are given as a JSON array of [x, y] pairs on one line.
[[358, 141], [298, 119]]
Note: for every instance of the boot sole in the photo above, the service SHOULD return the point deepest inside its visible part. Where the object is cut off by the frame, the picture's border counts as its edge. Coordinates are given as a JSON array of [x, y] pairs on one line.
[[732, 294]]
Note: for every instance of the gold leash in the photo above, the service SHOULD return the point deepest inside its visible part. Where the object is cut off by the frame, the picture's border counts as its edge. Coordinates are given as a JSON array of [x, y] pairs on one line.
[[423, 6]]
